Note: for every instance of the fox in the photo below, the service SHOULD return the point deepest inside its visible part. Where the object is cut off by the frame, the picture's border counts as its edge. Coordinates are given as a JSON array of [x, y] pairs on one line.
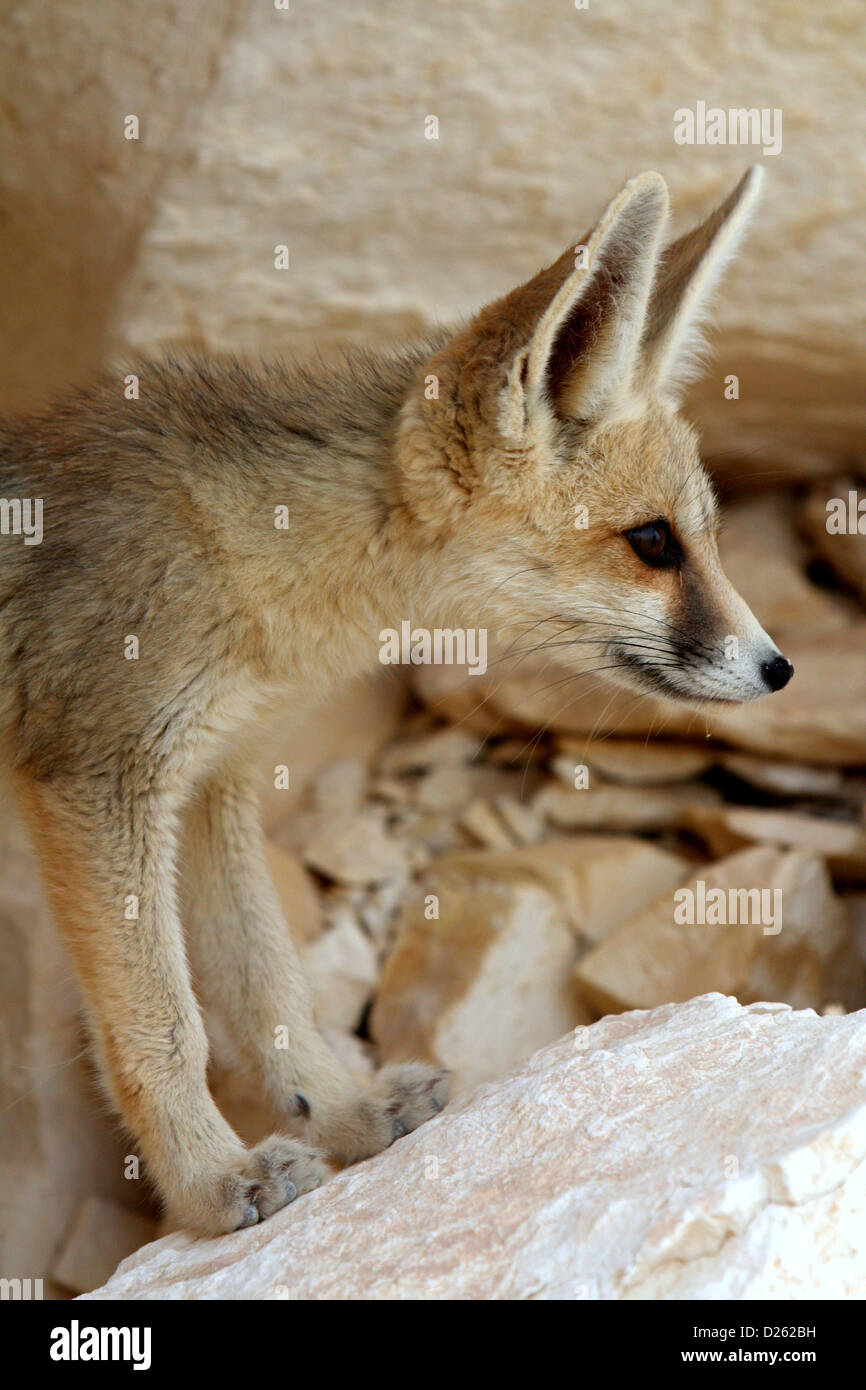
[[165, 617]]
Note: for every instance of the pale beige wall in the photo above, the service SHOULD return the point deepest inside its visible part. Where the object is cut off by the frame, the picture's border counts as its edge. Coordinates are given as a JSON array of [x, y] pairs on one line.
[[306, 127]]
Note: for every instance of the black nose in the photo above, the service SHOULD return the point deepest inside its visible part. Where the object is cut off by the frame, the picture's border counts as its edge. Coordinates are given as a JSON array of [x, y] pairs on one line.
[[777, 672]]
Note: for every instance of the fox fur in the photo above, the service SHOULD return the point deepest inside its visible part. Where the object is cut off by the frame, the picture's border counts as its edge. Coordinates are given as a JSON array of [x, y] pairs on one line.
[[450, 507]]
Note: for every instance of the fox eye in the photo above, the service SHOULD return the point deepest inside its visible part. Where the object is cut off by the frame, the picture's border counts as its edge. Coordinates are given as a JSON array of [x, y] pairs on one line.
[[654, 544]]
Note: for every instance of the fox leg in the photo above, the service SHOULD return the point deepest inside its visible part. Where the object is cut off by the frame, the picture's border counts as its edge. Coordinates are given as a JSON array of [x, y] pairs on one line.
[[249, 967], [107, 861]]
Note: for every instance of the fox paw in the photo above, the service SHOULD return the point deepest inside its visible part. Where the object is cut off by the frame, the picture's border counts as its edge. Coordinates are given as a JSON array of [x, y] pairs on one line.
[[398, 1100], [267, 1178]]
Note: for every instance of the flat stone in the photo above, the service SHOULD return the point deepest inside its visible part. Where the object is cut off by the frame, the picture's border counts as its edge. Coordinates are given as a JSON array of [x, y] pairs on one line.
[[699, 1151], [355, 849], [803, 952]]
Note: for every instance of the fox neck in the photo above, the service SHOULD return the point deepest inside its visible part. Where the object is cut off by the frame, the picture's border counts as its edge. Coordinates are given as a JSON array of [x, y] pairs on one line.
[[355, 560]]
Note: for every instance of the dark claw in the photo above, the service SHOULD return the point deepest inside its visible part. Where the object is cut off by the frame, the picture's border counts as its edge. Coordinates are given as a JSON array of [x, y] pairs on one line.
[[303, 1104]]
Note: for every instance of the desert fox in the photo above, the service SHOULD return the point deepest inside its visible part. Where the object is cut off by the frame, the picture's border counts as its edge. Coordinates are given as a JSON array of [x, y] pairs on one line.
[[429, 484]]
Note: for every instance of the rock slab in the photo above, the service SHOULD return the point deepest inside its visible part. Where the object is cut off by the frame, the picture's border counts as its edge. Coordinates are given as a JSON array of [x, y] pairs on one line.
[[700, 1150]]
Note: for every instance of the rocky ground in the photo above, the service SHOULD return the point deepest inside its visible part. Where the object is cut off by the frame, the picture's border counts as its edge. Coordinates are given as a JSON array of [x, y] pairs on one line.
[[701, 1150]]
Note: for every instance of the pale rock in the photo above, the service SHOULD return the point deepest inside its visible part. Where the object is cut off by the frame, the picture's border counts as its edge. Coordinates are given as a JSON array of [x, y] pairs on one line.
[[354, 724], [58, 1143], [844, 550], [519, 754], [765, 559], [608, 807], [483, 984], [380, 907], [525, 825], [635, 762], [102, 1234], [353, 1052], [477, 987], [727, 828], [485, 827], [784, 778], [297, 895], [428, 833], [450, 788], [447, 788], [598, 880], [856, 905], [355, 849], [441, 747], [339, 787], [698, 1151], [395, 790], [67, 88], [801, 951], [343, 971], [792, 310]]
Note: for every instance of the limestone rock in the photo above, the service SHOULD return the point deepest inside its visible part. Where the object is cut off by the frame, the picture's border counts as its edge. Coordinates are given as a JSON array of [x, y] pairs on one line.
[[727, 828], [784, 778], [766, 560], [355, 849], [791, 314], [598, 880], [439, 748], [524, 824], [446, 788], [699, 1151], [296, 893], [339, 787], [479, 986], [57, 1143], [843, 550], [485, 827], [353, 725], [634, 762], [795, 945], [608, 807], [103, 1233], [343, 971], [78, 172]]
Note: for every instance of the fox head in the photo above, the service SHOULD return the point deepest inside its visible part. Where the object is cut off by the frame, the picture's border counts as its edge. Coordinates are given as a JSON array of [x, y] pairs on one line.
[[551, 480]]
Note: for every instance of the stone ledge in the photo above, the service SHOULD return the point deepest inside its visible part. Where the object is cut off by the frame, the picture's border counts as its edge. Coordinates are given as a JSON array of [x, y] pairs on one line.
[[699, 1150]]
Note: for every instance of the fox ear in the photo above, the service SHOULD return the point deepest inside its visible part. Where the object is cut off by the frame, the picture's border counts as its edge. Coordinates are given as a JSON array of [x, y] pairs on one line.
[[688, 272], [584, 316]]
